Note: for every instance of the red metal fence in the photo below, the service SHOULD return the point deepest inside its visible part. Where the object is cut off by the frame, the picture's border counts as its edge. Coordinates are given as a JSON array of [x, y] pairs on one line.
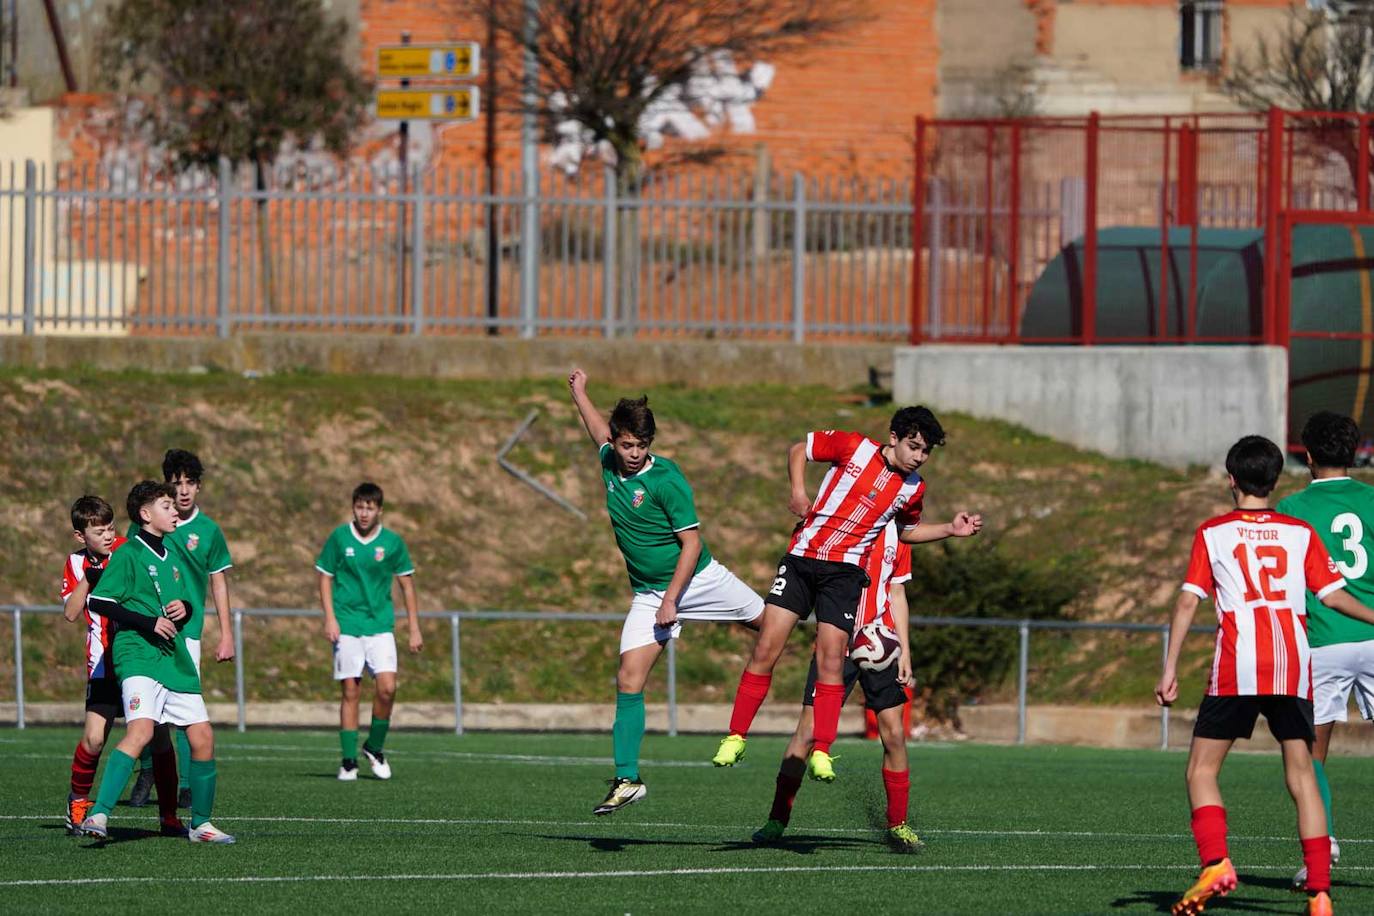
[[1004, 205]]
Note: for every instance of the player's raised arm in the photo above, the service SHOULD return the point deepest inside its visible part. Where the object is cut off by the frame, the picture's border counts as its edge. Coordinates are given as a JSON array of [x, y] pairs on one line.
[[1166, 691], [596, 425], [963, 525]]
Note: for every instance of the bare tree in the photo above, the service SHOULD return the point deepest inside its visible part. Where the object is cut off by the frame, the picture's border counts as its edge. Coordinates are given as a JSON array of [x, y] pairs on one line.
[[236, 79], [1318, 60]]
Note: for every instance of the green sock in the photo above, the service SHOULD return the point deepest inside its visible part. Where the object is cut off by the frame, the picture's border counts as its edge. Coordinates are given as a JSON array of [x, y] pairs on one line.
[[628, 733], [118, 767], [183, 759], [145, 759], [1326, 794], [202, 791], [376, 734], [348, 744]]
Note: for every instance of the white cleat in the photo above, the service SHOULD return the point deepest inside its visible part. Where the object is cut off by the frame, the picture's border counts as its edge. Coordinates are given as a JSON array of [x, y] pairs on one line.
[[1300, 879], [380, 768], [97, 825], [348, 773], [208, 833]]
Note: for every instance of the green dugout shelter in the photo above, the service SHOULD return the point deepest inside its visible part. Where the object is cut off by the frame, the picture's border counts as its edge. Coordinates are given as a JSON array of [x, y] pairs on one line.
[[1331, 293]]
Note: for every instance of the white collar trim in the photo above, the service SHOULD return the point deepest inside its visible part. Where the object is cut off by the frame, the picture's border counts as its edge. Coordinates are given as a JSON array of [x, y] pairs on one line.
[[365, 540], [648, 464]]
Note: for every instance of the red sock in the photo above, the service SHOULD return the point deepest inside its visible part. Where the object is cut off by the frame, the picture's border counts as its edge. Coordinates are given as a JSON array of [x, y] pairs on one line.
[[165, 779], [1316, 855], [83, 771], [783, 796], [870, 724], [906, 714], [1209, 831], [898, 786], [753, 688], [829, 699]]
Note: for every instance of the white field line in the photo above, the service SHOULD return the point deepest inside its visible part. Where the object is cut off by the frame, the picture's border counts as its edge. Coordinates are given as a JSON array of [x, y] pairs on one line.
[[627, 873], [729, 828], [330, 751]]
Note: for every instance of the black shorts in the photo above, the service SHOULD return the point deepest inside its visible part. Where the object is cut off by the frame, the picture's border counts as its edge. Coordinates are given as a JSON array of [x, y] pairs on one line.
[[831, 588], [881, 690], [104, 698], [1228, 718]]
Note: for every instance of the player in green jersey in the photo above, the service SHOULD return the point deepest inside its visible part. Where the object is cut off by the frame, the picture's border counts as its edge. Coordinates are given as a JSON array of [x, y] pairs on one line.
[[672, 573], [143, 590], [356, 565], [1342, 512], [200, 546]]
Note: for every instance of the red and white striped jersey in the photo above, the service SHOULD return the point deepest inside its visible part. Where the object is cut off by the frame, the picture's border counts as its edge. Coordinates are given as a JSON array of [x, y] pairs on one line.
[[1259, 565], [99, 630], [858, 497], [889, 563]]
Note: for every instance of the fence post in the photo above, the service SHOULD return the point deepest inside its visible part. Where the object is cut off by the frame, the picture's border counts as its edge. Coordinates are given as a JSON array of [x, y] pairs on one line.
[[529, 252], [30, 238], [417, 255], [457, 674], [1021, 668], [918, 198], [1089, 322], [1164, 710], [18, 669], [226, 180], [238, 670], [672, 688], [798, 258], [934, 303], [608, 254]]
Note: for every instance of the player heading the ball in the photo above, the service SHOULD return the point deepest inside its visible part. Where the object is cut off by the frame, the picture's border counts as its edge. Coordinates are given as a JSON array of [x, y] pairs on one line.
[[868, 485], [1257, 565], [671, 570]]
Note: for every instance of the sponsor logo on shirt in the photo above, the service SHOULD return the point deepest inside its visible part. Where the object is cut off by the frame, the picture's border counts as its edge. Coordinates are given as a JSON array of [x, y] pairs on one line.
[[1331, 565], [610, 486], [638, 499], [348, 551], [379, 554], [152, 570], [192, 542]]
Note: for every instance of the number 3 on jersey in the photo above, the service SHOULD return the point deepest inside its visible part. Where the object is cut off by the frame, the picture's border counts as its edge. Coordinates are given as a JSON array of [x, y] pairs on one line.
[[1273, 564], [1348, 527]]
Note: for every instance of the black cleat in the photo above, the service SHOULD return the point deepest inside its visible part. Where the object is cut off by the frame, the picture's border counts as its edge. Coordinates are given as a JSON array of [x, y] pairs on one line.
[[142, 790], [183, 798]]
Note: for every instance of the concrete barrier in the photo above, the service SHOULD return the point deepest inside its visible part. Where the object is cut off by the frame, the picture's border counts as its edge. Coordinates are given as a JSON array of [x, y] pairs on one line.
[[1174, 405]]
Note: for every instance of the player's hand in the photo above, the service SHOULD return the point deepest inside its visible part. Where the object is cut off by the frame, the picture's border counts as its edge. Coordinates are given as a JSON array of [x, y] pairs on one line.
[[904, 676], [667, 613], [165, 628], [176, 611], [577, 381], [225, 651], [1166, 691], [798, 504], [331, 629], [966, 525], [417, 642]]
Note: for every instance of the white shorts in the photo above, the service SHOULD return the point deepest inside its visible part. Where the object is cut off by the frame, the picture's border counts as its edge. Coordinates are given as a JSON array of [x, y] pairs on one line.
[[353, 653], [193, 647], [145, 698], [1336, 671], [713, 594]]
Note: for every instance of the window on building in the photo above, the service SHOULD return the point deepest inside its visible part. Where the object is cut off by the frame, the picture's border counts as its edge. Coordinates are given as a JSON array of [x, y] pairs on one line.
[[1199, 34]]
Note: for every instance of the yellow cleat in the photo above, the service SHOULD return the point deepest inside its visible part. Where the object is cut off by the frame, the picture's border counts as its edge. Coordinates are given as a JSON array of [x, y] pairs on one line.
[[820, 766], [1319, 904], [903, 839], [1215, 880], [731, 751]]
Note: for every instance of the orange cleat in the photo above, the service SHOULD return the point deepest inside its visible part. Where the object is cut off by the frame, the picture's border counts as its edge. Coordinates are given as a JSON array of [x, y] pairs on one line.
[[77, 811], [1219, 879], [1319, 904]]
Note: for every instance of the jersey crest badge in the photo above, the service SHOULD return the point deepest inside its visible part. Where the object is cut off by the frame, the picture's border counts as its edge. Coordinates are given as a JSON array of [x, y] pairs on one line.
[[134, 703], [192, 542], [379, 554], [176, 573], [638, 499]]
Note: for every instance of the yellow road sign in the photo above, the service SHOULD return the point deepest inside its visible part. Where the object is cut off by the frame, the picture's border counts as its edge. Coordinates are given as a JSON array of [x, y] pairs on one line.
[[460, 59], [452, 103]]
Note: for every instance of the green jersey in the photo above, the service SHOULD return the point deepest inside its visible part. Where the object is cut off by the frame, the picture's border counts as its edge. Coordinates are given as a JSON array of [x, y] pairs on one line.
[[1342, 511], [362, 570], [201, 551], [647, 511], [145, 581]]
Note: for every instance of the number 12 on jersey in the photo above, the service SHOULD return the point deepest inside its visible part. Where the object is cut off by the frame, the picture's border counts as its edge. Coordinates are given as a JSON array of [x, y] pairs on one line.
[[1272, 562]]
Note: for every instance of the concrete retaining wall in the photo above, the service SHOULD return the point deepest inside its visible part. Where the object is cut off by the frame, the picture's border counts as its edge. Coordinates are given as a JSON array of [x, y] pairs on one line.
[[1174, 405], [637, 362]]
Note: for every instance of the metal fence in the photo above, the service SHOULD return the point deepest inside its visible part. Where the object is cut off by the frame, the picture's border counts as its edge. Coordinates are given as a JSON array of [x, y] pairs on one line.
[[143, 250], [456, 618]]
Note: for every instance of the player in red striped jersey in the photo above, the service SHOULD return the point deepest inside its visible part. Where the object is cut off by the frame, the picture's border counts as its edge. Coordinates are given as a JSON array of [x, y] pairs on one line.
[[1257, 565], [885, 693], [868, 485]]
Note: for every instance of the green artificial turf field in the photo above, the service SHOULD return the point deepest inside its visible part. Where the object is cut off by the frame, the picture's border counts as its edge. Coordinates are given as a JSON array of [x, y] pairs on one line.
[[501, 823]]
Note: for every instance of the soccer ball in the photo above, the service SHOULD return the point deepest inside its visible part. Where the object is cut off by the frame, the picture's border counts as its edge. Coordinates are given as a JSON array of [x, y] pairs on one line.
[[875, 647]]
